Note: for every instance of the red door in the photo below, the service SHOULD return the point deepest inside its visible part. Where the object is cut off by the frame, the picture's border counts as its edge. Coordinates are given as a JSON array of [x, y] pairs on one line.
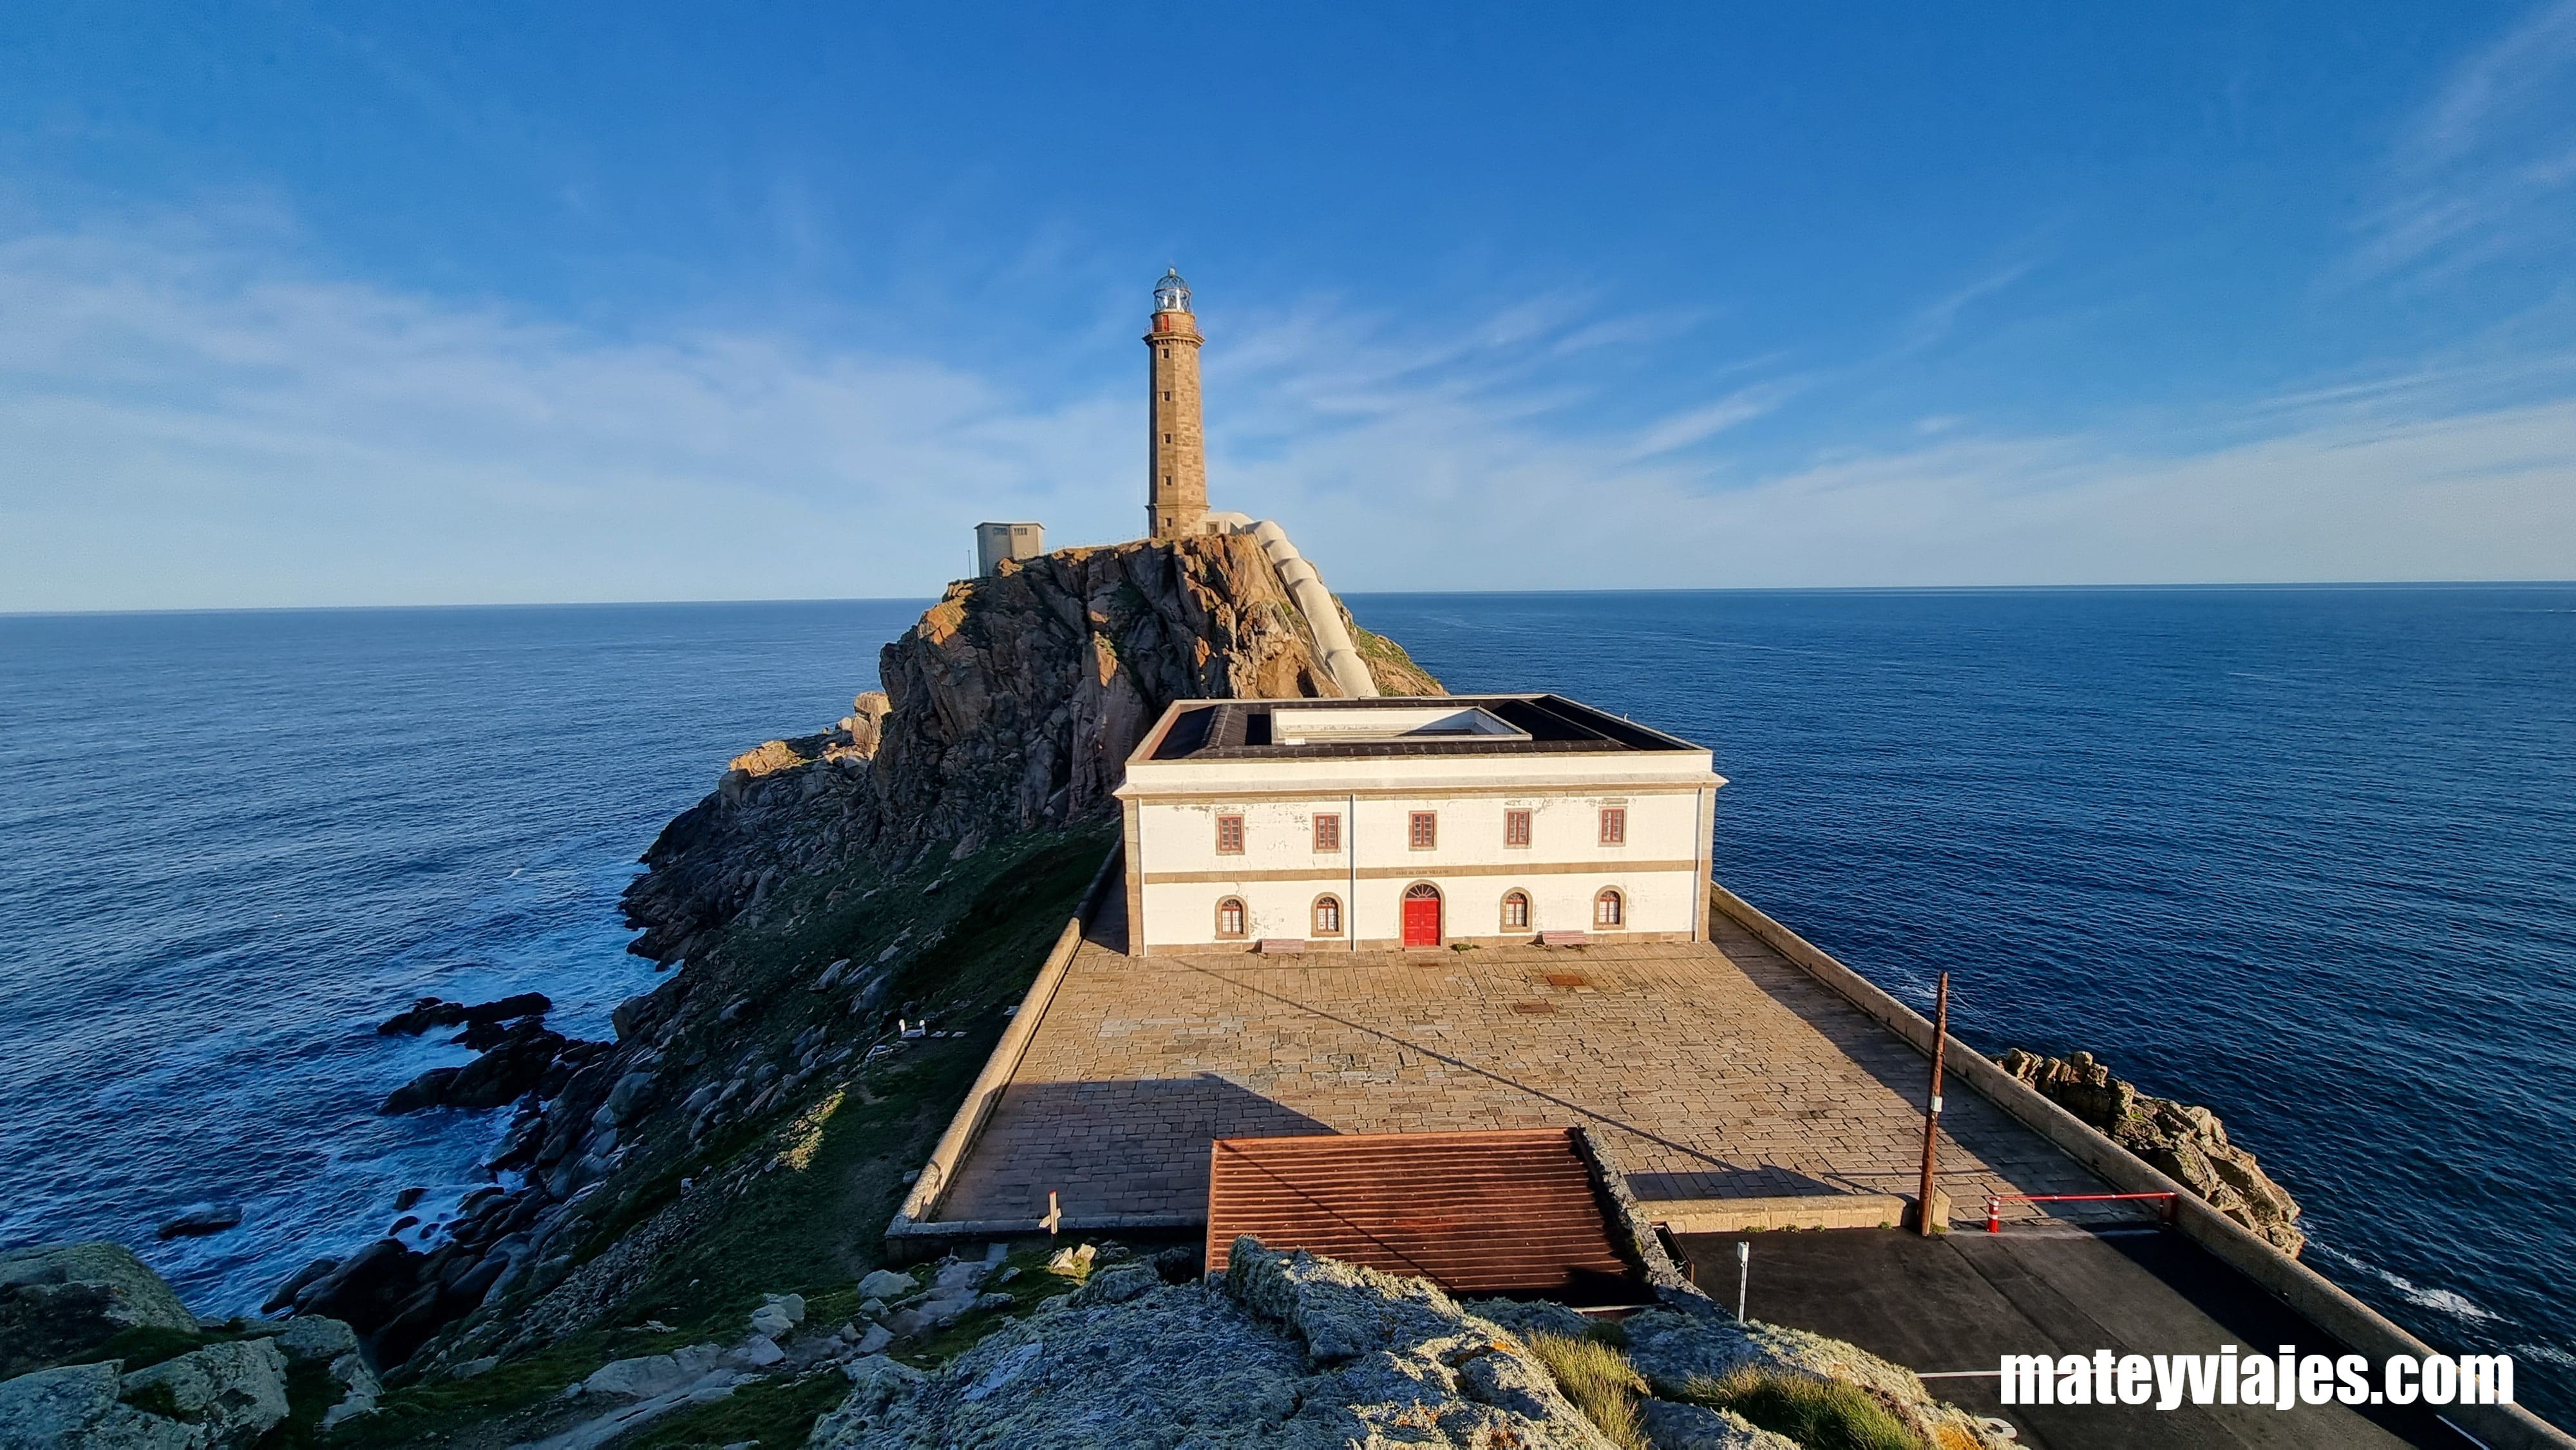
[[1422, 916]]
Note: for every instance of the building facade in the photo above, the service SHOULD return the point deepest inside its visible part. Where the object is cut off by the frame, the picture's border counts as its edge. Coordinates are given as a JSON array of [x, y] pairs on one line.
[[1176, 498], [1412, 822]]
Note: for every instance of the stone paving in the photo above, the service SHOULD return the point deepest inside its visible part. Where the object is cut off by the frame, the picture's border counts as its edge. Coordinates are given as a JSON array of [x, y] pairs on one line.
[[1716, 1070]]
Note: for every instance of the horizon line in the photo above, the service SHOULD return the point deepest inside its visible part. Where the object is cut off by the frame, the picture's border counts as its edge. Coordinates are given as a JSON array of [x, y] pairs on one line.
[[2282, 586]]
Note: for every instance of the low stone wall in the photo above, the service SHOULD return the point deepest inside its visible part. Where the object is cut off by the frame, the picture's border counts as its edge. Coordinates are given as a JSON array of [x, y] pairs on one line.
[[2359, 1327], [1749, 1215]]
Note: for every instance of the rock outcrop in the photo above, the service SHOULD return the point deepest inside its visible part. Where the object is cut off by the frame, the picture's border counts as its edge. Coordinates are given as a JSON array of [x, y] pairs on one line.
[[1286, 1351], [58, 1300], [516, 1061], [1011, 706], [1292, 1350], [2185, 1143], [96, 1353]]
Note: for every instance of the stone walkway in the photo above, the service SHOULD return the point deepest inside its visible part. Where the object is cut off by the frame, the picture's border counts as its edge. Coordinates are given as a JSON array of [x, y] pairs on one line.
[[1708, 1071]]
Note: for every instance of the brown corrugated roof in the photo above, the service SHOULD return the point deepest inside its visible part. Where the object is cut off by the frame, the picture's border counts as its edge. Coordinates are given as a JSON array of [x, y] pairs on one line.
[[1510, 1212]]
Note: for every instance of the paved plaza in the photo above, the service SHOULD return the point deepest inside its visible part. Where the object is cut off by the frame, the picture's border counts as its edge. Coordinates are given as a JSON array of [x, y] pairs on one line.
[[1707, 1071]]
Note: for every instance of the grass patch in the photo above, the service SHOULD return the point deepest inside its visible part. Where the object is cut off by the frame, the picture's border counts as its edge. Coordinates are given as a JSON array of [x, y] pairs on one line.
[[1818, 1414], [1600, 1382], [310, 1394], [146, 1345], [774, 1413], [410, 1415]]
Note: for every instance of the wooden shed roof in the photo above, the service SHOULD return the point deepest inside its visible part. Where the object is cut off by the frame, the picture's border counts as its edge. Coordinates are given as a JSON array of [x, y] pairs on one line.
[[1506, 1212]]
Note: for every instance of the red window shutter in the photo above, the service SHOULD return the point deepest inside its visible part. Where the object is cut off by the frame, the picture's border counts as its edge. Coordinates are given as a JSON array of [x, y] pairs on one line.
[[1516, 828], [1614, 826]]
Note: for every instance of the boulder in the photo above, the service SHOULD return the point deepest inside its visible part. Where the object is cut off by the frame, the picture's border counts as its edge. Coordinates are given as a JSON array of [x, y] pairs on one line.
[[639, 1378], [367, 1290], [315, 1336], [1690, 1427], [512, 1067], [58, 1300], [53, 1408], [198, 1220], [886, 1284], [296, 1284], [222, 1397], [229, 1394], [429, 1090], [431, 1012]]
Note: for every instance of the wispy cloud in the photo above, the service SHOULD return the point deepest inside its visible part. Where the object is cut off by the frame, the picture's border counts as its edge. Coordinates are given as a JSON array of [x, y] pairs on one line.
[[1698, 425], [2489, 164], [188, 417], [1936, 319], [186, 421]]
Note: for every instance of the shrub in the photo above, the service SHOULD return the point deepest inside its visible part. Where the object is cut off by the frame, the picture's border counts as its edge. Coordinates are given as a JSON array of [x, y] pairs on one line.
[[1818, 1414], [1600, 1382]]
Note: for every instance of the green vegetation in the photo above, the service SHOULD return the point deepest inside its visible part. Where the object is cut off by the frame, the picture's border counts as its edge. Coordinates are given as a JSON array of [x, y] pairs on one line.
[[1395, 669], [1600, 1382], [1030, 1286], [310, 1394], [776, 1412], [1819, 1414], [146, 1345], [418, 1413], [797, 1199]]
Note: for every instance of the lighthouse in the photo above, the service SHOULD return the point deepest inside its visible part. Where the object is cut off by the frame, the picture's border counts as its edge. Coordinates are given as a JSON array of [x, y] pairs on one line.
[[1176, 447]]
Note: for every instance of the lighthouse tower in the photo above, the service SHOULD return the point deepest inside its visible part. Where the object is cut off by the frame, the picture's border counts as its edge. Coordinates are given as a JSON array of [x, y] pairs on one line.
[[1176, 488]]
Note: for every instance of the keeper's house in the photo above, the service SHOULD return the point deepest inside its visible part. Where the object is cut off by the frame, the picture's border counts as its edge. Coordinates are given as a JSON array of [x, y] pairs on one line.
[[1325, 825]]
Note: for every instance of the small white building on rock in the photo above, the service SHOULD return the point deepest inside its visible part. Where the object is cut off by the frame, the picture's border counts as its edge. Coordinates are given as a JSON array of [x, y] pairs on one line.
[[1349, 825]]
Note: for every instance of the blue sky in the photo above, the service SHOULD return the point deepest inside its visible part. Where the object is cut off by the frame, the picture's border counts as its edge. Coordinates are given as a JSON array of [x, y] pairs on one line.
[[465, 303]]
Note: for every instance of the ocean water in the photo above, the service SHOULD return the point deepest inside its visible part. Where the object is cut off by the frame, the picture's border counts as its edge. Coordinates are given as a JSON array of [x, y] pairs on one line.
[[2305, 855], [230, 844]]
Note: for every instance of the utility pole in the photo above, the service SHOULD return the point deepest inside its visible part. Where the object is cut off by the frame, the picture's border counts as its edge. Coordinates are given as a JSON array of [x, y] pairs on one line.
[[1932, 1117]]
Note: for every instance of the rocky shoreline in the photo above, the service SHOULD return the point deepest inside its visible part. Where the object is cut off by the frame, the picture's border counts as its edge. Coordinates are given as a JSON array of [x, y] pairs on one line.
[[683, 1225], [2185, 1143]]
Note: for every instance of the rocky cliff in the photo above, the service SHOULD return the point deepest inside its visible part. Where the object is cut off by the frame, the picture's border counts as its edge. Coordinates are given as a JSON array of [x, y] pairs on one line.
[[1011, 706], [2185, 1143], [852, 912]]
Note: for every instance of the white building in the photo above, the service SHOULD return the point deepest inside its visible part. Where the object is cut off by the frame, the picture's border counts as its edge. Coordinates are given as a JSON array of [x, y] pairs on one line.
[[1418, 822]]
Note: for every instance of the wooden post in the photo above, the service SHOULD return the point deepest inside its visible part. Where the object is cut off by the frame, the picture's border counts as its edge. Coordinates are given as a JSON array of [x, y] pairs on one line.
[[1932, 1115]]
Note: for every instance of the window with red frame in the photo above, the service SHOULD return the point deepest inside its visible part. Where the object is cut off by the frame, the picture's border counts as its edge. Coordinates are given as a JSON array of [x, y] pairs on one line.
[[1229, 835], [1426, 830]]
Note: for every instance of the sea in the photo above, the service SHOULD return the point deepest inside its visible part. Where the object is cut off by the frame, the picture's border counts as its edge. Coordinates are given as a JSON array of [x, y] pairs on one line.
[[2306, 855]]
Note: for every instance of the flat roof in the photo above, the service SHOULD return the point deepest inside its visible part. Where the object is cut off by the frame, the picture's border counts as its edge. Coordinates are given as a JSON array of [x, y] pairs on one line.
[[1416, 725]]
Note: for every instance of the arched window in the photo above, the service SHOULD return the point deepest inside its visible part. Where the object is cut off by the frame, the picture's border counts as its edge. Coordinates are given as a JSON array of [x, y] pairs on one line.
[[1516, 911], [1328, 916], [1609, 909], [1230, 917]]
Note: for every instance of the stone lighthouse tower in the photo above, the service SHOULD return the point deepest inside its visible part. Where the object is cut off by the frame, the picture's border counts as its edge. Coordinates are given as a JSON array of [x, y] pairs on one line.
[[1176, 489]]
